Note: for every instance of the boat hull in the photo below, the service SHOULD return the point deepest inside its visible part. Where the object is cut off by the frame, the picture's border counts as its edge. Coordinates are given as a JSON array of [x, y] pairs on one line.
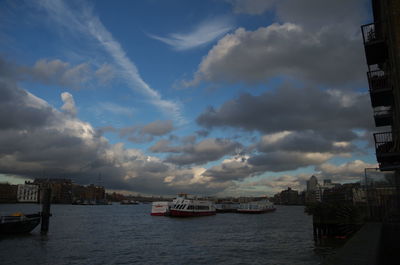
[[177, 213], [226, 210], [159, 214], [19, 225]]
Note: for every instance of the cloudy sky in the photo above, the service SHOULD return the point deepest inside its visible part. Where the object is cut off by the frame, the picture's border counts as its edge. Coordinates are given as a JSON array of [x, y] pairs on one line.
[[213, 97]]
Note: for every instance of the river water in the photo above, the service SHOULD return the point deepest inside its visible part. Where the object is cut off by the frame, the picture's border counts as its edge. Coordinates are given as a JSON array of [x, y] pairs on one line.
[[127, 234]]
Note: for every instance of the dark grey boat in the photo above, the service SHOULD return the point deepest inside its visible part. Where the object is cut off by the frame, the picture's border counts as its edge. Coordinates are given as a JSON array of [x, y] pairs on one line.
[[18, 224]]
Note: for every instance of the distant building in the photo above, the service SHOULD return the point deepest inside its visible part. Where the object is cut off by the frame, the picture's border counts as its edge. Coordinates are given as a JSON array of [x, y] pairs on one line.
[[313, 193], [8, 193], [61, 189], [327, 182], [115, 197], [340, 193], [288, 197], [312, 183], [27, 193], [89, 194]]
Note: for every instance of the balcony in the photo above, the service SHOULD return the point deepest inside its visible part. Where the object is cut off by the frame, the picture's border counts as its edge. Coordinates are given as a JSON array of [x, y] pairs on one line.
[[387, 152], [383, 116], [376, 50], [380, 88]]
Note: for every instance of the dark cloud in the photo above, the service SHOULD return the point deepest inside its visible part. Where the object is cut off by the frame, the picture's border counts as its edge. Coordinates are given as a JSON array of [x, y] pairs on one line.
[[205, 151], [315, 13], [164, 146], [157, 128], [60, 73], [303, 141], [284, 161], [294, 109], [234, 169], [146, 133], [16, 110], [303, 127], [191, 153], [242, 167], [202, 133]]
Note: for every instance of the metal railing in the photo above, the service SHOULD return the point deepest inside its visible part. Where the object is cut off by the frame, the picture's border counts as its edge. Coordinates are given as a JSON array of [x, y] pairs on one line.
[[383, 142], [385, 113], [371, 32], [381, 194], [378, 80]]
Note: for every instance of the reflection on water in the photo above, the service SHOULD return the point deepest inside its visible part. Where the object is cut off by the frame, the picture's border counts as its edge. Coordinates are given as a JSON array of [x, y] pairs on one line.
[[127, 234]]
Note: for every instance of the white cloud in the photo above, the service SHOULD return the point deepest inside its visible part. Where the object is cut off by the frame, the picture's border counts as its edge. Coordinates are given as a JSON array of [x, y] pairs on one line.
[[324, 56], [69, 104], [350, 171], [84, 22], [203, 34], [105, 73], [114, 109]]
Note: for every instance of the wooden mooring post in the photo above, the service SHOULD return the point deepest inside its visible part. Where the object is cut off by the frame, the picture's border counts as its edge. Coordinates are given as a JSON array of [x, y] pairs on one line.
[[45, 214]]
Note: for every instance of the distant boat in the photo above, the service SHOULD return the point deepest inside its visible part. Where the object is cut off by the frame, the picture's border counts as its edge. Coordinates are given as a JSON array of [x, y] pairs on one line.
[[183, 206], [262, 206], [18, 223], [91, 202], [129, 202], [226, 207]]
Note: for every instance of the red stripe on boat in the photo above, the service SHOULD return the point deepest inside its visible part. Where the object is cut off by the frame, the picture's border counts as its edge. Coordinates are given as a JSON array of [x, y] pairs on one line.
[[158, 214]]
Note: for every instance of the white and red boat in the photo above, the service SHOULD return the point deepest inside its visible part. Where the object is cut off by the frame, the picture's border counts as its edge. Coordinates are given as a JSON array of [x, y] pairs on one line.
[[183, 206], [262, 206], [161, 208]]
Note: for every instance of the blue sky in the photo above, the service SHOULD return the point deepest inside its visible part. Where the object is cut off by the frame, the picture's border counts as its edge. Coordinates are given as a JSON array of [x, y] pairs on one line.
[[235, 97]]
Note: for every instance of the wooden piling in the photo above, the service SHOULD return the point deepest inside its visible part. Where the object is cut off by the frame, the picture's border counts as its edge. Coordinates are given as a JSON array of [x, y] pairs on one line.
[[45, 215]]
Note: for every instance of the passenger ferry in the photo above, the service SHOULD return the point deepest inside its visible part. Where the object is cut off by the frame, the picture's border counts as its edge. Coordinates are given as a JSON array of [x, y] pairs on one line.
[[262, 206], [183, 206], [226, 207]]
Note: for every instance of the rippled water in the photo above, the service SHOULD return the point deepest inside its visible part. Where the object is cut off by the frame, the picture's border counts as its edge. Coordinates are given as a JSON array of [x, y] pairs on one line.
[[127, 234]]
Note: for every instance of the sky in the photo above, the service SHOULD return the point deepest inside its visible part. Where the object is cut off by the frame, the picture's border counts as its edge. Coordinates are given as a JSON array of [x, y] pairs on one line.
[[212, 97]]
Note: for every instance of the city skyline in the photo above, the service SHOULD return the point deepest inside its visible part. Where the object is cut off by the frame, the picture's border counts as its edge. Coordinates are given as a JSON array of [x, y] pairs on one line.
[[159, 97]]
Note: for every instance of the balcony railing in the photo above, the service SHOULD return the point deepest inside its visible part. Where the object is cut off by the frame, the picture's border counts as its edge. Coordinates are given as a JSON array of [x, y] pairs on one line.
[[378, 80], [383, 142], [371, 33], [387, 152], [383, 117], [374, 43], [380, 88]]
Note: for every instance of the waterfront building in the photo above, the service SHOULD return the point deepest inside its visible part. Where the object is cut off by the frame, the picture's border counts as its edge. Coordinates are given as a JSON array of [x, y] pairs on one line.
[[8, 193], [61, 189], [27, 193], [339, 193], [382, 51], [289, 197], [91, 194]]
